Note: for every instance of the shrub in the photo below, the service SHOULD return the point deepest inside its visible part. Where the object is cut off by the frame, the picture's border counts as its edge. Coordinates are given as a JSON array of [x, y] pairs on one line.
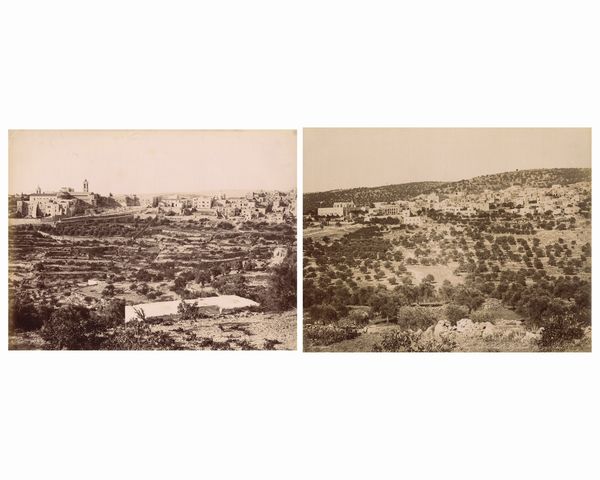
[[455, 312], [111, 313], [281, 294], [109, 290], [188, 311], [327, 334], [231, 285], [137, 336], [358, 317], [323, 314], [559, 330], [414, 318], [71, 327], [481, 316], [407, 341], [24, 315]]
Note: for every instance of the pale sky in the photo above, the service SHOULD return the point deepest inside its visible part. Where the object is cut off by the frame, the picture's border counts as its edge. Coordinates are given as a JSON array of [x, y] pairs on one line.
[[367, 157], [159, 161]]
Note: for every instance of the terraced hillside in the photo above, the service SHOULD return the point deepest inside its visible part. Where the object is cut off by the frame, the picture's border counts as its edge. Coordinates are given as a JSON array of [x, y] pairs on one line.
[[130, 261]]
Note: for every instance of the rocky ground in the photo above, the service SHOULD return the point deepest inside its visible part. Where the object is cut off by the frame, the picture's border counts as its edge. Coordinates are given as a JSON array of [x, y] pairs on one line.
[[26, 341], [466, 335], [240, 331]]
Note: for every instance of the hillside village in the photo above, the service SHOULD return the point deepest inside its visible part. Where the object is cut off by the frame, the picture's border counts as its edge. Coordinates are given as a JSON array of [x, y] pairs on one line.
[[509, 252], [470, 198], [269, 206], [557, 200], [190, 264]]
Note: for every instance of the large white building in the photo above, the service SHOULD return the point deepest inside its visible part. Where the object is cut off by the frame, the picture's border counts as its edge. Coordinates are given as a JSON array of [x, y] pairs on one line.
[[65, 202], [202, 202], [330, 212]]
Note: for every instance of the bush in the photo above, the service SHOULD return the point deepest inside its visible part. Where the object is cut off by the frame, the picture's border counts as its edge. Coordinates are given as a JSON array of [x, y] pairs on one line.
[[559, 330], [231, 285], [281, 294], [71, 327], [481, 316], [454, 313], [109, 290], [111, 313], [323, 314], [327, 334], [414, 318], [137, 336], [359, 318], [188, 311], [407, 341], [23, 315]]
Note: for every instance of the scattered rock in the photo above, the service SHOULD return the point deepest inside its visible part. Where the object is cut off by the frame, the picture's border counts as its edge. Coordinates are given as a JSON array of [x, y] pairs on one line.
[[427, 335], [488, 330], [443, 329], [491, 304], [530, 338]]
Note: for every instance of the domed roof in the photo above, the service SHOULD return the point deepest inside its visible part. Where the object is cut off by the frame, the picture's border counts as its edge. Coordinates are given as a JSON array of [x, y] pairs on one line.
[[64, 195]]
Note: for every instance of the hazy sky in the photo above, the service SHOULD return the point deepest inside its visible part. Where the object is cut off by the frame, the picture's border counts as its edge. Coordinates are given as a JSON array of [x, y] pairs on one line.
[[365, 157], [152, 161]]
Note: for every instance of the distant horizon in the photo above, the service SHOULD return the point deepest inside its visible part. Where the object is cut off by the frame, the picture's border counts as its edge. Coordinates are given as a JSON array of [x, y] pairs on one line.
[[181, 192], [345, 158], [132, 161], [446, 181]]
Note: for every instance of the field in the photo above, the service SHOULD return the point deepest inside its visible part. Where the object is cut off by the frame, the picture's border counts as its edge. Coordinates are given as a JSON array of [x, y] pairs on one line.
[[133, 260], [331, 230], [532, 274]]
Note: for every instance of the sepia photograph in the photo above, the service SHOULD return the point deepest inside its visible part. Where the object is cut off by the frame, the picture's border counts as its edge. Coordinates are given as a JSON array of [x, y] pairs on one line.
[[447, 240], [152, 240]]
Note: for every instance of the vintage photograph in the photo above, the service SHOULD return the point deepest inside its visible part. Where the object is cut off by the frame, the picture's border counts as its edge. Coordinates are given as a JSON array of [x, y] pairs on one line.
[[152, 240], [444, 240]]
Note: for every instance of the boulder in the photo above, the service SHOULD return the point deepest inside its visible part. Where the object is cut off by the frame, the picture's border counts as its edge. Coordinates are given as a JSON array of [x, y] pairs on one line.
[[443, 329], [530, 338], [488, 330], [428, 334], [465, 325]]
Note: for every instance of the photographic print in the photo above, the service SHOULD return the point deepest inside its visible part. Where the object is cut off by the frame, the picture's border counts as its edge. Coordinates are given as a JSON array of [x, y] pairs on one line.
[[152, 240], [444, 240]]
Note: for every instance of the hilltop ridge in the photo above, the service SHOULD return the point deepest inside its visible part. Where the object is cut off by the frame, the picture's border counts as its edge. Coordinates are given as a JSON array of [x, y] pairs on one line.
[[404, 191]]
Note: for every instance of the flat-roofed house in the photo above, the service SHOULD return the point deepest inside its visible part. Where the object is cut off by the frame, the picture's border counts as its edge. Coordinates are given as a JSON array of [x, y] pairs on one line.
[[330, 212]]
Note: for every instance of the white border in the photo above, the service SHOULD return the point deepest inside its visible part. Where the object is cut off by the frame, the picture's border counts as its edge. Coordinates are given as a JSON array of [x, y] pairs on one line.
[[273, 64]]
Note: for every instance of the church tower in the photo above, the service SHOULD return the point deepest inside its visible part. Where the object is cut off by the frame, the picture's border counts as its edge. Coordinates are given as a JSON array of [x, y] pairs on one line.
[[85, 186], [38, 190]]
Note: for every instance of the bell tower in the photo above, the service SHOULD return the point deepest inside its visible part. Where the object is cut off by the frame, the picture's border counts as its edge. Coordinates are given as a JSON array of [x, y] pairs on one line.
[[85, 186]]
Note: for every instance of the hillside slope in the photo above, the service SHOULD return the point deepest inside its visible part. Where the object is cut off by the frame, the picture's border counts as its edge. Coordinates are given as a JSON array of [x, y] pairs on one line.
[[405, 191], [367, 195], [540, 178]]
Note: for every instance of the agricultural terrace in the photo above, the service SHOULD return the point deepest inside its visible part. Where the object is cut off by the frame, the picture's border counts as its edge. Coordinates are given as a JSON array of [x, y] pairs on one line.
[[130, 260]]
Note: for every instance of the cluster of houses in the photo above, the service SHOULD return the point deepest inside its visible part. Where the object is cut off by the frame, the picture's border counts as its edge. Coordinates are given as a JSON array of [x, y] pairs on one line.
[[65, 203], [273, 207], [348, 210], [270, 206], [559, 200]]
